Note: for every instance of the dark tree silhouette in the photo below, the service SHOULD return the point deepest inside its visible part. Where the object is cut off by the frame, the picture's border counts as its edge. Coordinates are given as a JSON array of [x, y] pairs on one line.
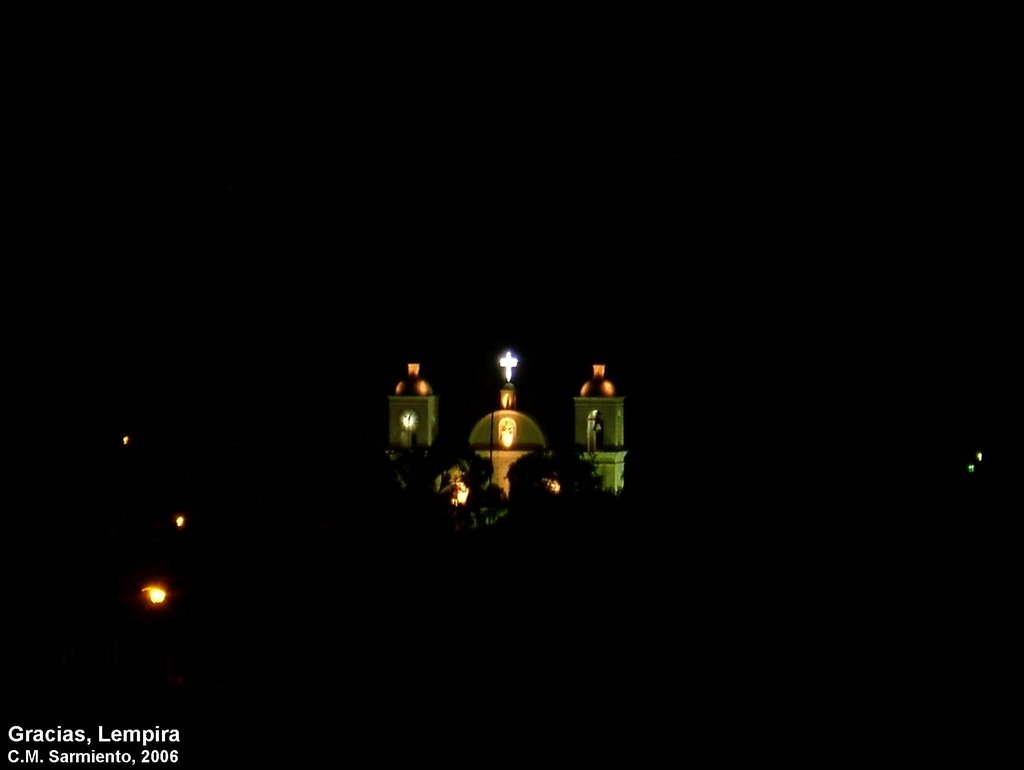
[[542, 474]]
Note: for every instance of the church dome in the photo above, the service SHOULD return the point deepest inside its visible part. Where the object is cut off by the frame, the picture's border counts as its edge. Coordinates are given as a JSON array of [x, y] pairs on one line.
[[413, 384], [598, 385]]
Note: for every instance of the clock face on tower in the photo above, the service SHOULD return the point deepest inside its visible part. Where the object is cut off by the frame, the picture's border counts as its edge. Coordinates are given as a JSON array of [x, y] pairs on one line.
[[408, 420]]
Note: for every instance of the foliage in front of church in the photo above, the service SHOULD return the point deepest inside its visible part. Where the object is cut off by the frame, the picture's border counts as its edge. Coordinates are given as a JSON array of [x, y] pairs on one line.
[[466, 485], [540, 475], [559, 491], [442, 490], [448, 490]]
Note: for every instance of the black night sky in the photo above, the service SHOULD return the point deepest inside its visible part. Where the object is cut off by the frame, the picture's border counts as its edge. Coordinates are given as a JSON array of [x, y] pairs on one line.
[[807, 304]]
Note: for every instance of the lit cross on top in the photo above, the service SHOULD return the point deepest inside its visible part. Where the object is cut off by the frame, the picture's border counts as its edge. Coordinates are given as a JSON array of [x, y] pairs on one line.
[[508, 363]]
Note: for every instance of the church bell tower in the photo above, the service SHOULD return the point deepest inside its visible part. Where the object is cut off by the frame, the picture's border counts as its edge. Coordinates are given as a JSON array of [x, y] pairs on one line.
[[599, 428], [412, 413]]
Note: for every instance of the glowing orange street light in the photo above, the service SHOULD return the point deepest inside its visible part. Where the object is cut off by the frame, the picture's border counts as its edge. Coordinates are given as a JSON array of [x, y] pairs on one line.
[[179, 521], [125, 440], [155, 594]]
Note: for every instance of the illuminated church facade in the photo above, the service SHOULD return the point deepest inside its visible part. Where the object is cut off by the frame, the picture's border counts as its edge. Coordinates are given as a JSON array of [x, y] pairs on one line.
[[505, 435]]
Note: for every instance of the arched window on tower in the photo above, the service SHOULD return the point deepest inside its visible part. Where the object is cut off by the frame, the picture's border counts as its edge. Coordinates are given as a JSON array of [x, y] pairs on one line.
[[595, 432]]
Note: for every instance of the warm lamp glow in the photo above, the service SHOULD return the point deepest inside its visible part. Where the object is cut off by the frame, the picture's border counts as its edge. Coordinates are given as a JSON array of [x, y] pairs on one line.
[[414, 370], [553, 486], [598, 371], [179, 521], [124, 440], [978, 456], [155, 594], [460, 493], [458, 487]]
